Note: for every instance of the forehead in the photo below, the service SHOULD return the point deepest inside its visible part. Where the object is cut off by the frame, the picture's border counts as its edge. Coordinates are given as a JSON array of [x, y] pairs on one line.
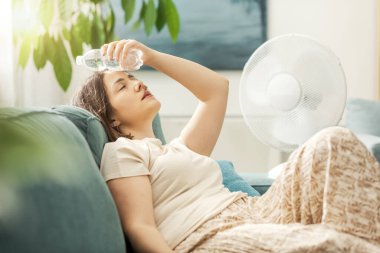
[[110, 77]]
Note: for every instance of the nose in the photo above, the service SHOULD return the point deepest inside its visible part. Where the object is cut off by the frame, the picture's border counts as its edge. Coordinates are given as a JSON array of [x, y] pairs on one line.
[[140, 85]]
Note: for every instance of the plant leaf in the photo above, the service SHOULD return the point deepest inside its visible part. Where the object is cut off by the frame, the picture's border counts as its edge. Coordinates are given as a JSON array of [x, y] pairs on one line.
[[62, 65], [76, 42], [85, 28], [65, 9], [110, 25], [150, 17], [172, 18], [136, 25], [66, 34], [97, 31], [96, 1], [39, 55], [46, 12], [24, 52], [128, 7], [161, 16], [49, 45]]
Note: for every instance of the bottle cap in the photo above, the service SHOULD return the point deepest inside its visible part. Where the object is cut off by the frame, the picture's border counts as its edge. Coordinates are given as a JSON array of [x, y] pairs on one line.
[[79, 60]]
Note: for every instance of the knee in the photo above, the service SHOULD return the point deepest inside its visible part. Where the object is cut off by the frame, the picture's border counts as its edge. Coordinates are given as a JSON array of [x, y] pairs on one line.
[[334, 135], [334, 131]]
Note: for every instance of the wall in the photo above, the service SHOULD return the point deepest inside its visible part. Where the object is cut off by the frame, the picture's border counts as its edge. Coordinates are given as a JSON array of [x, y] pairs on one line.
[[348, 27]]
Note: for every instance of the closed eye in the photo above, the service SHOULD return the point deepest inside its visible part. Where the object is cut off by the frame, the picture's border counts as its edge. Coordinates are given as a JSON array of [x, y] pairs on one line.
[[122, 86]]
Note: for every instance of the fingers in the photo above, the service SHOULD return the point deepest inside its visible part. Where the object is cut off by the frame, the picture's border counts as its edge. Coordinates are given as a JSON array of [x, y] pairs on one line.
[[116, 48], [103, 49], [127, 46], [111, 49], [119, 48]]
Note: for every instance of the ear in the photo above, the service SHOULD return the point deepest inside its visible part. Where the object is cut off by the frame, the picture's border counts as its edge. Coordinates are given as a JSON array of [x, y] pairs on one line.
[[115, 123]]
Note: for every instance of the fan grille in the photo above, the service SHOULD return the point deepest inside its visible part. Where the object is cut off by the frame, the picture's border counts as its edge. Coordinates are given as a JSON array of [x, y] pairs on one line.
[[322, 83]]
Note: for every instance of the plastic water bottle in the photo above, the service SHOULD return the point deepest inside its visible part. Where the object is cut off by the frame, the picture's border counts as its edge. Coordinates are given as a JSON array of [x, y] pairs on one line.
[[94, 61]]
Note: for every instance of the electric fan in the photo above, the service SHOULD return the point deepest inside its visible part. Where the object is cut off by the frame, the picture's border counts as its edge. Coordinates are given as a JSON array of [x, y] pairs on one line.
[[291, 87]]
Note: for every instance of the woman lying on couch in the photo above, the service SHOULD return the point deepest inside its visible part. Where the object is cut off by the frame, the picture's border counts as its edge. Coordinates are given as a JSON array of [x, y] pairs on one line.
[[171, 198]]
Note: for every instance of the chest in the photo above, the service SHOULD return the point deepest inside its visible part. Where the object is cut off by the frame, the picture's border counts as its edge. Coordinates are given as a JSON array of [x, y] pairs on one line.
[[182, 169]]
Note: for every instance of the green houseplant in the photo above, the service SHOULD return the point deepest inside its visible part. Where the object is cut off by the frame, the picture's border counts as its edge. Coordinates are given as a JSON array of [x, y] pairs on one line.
[[56, 30]]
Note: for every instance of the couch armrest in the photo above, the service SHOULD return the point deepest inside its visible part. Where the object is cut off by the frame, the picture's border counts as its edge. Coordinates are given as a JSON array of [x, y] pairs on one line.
[[258, 180]]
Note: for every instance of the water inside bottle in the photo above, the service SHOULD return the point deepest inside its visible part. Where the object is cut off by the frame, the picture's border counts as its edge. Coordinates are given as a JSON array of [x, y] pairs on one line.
[[112, 64], [95, 61], [101, 64]]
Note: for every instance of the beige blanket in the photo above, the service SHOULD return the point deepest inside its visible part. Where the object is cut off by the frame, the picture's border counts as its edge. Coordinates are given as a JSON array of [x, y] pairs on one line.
[[327, 199]]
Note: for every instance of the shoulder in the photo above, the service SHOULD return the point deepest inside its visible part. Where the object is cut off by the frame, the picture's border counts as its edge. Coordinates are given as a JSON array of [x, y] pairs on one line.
[[125, 157], [123, 144], [124, 148]]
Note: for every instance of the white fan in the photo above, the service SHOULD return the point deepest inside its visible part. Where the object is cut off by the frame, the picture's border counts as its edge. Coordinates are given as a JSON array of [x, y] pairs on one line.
[[291, 88]]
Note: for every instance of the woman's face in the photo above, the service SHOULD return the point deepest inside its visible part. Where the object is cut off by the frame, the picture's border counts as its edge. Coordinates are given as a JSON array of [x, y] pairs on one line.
[[129, 97]]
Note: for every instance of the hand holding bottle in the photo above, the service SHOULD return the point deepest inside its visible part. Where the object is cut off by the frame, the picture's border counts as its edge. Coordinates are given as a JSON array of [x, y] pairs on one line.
[[119, 50], [118, 55]]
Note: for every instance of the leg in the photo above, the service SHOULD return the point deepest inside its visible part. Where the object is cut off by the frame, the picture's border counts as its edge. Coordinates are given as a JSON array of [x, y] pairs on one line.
[[234, 231], [332, 179]]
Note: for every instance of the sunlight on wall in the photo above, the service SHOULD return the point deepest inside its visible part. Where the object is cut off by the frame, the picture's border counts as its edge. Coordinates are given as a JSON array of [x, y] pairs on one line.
[[6, 63], [378, 50]]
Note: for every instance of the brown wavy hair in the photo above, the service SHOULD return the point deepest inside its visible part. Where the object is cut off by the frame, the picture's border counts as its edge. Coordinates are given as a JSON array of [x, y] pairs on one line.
[[92, 96]]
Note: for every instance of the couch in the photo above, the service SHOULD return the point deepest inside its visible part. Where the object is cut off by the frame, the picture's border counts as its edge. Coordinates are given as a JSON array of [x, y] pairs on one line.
[[52, 196]]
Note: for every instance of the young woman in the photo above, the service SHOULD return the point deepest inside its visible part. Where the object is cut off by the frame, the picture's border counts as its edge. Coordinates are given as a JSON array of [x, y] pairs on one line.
[[171, 198]]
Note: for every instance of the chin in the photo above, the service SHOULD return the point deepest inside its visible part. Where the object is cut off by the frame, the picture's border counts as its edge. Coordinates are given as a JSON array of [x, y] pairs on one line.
[[157, 105], [154, 108]]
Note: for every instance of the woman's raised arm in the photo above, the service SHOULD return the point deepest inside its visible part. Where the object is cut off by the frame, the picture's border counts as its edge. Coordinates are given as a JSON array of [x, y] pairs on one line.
[[202, 131]]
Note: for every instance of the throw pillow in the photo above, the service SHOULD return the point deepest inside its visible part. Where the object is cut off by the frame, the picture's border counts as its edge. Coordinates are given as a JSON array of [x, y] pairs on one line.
[[363, 116], [233, 181]]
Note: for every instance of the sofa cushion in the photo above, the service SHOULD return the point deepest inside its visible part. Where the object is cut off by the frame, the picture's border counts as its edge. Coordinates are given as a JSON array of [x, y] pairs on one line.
[[92, 129], [89, 126], [363, 116], [53, 199], [233, 181], [376, 151], [372, 142]]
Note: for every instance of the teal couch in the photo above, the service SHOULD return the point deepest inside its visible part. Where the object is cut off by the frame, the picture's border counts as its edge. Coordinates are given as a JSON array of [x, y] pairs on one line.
[[52, 196]]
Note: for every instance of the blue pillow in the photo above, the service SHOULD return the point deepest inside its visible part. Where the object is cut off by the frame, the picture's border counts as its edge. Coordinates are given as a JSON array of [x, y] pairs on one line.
[[233, 181], [376, 151]]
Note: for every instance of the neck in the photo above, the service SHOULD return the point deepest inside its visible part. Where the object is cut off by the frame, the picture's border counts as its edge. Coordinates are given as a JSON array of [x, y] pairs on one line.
[[139, 133]]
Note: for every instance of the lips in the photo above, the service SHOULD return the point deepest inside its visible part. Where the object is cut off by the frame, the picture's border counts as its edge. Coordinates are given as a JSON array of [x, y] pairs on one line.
[[146, 94]]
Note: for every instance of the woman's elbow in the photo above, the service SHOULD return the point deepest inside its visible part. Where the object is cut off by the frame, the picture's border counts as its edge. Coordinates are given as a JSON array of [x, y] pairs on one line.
[[224, 85]]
